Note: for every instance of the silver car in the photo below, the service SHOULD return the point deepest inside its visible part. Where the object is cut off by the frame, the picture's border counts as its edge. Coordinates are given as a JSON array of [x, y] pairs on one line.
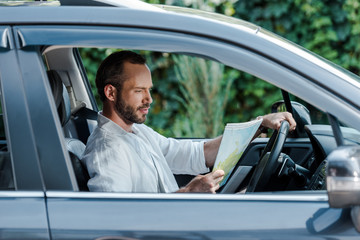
[[303, 186]]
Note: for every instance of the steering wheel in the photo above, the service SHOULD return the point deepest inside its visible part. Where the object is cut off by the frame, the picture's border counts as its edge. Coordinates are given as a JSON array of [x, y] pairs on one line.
[[267, 164]]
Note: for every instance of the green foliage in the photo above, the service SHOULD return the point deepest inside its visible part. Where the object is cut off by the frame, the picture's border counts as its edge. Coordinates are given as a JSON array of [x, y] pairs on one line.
[[205, 91], [352, 46], [328, 27], [92, 58], [253, 97], [166, 108]]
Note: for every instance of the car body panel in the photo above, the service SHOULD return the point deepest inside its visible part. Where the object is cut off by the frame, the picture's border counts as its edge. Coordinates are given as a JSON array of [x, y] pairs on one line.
[[23, 215]]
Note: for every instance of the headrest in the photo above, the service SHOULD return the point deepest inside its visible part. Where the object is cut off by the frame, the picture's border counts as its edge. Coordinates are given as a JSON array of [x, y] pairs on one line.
[[60, 95]]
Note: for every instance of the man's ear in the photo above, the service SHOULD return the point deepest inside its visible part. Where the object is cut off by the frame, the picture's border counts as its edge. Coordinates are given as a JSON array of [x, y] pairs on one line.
[[110, 92]]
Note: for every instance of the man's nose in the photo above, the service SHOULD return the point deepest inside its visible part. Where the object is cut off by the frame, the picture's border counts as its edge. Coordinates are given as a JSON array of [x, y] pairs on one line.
[[148, 98]]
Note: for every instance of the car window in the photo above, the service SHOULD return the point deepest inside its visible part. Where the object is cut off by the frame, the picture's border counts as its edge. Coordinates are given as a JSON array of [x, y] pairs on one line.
[[6, 177]]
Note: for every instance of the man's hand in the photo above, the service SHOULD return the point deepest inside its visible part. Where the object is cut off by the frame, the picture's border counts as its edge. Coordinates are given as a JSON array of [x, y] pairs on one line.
[[273, 120], [208, 183]]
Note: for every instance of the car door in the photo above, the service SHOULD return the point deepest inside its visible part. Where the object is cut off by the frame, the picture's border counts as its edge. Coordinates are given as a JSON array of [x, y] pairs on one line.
[[22, 200], [195, 216]]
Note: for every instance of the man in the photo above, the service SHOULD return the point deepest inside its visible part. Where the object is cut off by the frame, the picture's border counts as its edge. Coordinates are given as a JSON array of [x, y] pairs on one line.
[[124, 155]]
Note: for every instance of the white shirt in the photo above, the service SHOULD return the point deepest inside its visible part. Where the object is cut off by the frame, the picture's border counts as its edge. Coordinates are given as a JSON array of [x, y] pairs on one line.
[[142, 161]]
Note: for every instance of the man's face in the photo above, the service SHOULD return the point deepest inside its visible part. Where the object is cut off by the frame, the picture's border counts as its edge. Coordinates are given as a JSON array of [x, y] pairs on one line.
[[133, 103]]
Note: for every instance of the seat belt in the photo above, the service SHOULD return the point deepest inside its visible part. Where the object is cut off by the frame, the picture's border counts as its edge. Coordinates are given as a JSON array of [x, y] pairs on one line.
[[80, 118]]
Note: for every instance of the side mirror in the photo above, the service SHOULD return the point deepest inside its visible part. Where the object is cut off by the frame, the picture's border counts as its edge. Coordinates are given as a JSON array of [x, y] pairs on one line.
[[343, 177], [343, 180]]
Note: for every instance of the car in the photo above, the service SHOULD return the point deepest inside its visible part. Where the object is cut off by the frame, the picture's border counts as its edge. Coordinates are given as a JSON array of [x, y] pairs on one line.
[[303, 185]]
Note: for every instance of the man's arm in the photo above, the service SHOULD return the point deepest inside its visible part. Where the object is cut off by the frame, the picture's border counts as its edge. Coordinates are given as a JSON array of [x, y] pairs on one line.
[[211, 149]]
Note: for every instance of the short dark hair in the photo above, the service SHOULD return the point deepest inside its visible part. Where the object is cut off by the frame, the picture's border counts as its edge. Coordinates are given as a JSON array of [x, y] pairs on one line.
[[111, 70]]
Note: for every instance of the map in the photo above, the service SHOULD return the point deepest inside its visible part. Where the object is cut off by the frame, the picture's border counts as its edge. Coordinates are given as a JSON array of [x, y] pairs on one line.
[[236, 138]]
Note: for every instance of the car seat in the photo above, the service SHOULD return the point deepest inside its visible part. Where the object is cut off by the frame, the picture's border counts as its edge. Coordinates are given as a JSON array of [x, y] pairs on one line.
[[74, 146]]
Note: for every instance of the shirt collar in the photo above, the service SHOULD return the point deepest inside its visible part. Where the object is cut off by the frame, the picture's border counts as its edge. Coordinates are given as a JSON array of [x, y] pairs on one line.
[[108, 124]]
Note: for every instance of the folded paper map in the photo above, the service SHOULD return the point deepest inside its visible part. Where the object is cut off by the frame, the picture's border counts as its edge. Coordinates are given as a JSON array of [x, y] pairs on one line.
[[236, 138]]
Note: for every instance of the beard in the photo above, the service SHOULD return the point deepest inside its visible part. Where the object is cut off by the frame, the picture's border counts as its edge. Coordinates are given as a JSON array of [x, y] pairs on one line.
[[128, 113]]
